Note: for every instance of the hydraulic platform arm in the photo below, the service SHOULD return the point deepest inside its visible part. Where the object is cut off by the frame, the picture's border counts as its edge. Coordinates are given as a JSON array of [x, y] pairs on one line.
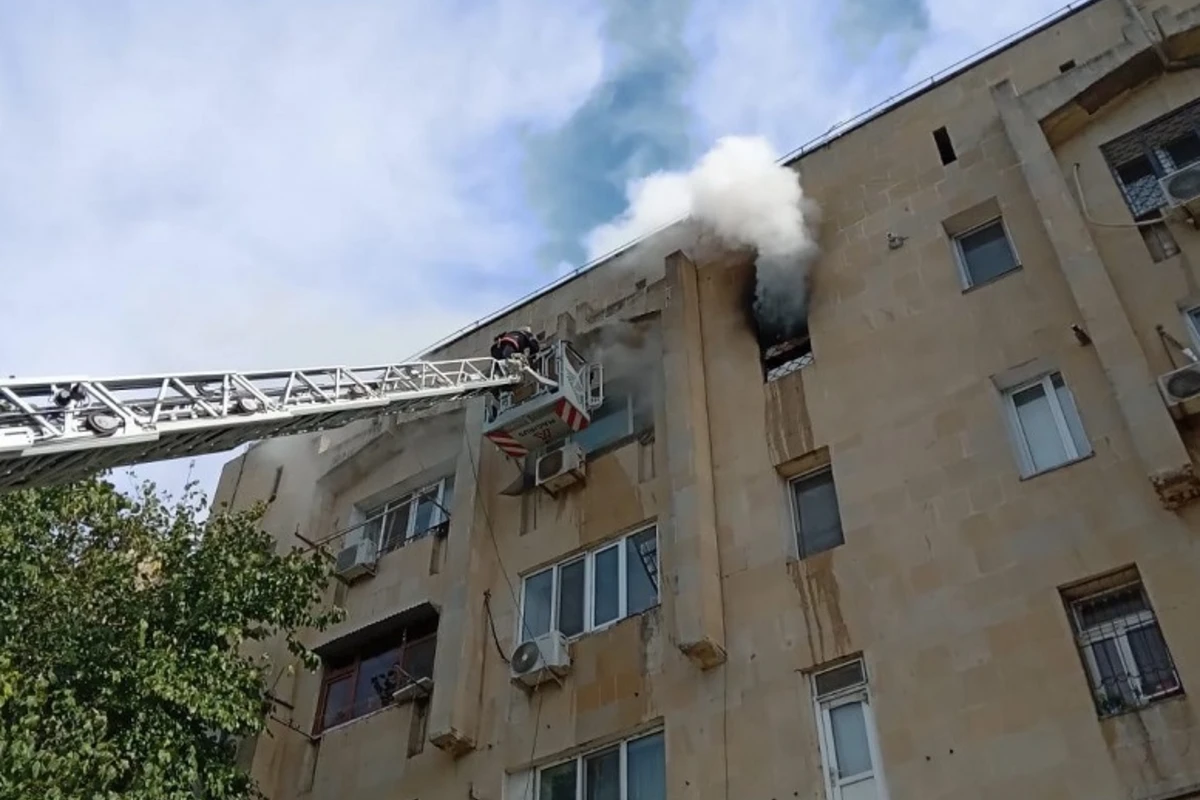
[[58, 430]]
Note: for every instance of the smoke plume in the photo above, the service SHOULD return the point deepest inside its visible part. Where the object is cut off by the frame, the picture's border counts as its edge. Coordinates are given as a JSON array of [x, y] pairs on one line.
[[740, 193]]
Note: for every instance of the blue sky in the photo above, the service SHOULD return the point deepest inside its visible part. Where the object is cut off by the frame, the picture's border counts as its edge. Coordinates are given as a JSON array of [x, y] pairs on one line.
[[221, 184]]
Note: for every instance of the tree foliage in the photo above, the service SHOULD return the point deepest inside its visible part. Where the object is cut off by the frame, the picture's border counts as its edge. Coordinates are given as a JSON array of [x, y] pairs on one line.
[[121, 620]]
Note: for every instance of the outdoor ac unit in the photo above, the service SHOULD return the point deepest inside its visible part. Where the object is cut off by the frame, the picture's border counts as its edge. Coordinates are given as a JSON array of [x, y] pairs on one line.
[[1182, 187], [542, 659], [356, 560], [1180, 385], [561, 467]]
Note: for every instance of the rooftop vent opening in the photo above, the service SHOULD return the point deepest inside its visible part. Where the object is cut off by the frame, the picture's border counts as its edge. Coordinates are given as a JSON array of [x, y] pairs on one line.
[[945, 147], [1067, 66]]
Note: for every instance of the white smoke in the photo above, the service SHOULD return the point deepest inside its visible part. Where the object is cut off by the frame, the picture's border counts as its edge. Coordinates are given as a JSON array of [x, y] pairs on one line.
[[740, 192]]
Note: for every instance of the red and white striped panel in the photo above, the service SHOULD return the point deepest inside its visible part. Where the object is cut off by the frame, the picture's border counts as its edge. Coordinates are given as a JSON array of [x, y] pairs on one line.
[[576, 420], [507, 444]]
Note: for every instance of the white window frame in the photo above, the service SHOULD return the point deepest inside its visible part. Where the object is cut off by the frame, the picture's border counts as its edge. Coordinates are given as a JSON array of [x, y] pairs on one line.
[[589, 585], [581, 759], [823, 704], [960, 255], [1017, 430], [384, 510], [794, 505], [1118, 630], [1192, 323]]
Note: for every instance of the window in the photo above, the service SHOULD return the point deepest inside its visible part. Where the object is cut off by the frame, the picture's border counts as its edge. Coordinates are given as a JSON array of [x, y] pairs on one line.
[[592, 590], [787, 357], [623, 414], [1045, 424], [1192, 317], [1160, 242], [1183, 150], [1125, 657], [631, 770], [846, 727], [365, 679], [395, 523], [815, 510], [941, 137], [985, 253]]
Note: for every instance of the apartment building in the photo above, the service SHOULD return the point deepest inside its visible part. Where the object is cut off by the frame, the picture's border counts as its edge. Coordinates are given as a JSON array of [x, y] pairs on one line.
[[945, 545]]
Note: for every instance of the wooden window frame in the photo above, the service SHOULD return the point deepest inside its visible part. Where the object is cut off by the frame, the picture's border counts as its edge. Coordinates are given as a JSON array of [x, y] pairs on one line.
[[351, 670]]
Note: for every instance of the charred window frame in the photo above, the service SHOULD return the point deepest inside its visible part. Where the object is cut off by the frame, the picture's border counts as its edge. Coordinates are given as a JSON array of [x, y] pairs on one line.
[[1121, 646], [366, 678], [784, 358]]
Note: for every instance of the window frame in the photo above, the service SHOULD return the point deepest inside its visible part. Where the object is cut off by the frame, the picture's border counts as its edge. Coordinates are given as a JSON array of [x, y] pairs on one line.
[[823, 704], [329, 676], [384, 511], [621, 543], [580, 762], [1191, 320], [1017, 430], [1117, 630], [794, 504], [964, 271], [614, 392]]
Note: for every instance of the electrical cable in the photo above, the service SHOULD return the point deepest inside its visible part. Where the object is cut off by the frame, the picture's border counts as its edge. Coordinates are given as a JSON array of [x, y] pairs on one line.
[[487, 520]]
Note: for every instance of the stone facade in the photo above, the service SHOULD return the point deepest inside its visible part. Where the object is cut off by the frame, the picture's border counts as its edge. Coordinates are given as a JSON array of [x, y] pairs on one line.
[[959, 573]]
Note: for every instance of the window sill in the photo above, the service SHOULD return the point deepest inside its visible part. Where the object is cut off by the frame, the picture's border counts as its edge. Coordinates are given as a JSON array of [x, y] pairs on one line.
[[426, 689], [1057, 467], [1156, 700], [610, 625], [990, 281]]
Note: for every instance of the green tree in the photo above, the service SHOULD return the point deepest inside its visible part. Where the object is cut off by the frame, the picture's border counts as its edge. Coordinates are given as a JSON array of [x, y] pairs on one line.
[[121, 623]]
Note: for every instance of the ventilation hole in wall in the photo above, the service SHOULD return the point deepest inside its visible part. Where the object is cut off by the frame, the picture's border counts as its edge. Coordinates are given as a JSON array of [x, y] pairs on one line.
[[945, 146], [1067, 66]]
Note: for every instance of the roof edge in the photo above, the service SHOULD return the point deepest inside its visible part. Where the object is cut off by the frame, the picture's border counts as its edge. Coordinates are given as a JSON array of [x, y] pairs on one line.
[[835, 132]]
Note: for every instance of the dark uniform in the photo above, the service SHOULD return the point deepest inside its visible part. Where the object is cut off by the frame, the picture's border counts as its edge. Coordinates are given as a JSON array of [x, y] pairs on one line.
[[507, 344]]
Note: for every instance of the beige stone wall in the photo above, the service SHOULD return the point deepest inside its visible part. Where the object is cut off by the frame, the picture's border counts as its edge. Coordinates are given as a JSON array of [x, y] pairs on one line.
[[948, 581]]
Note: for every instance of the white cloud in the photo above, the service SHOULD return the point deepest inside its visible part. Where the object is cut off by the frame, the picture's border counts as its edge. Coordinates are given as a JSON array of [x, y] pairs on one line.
[[229, 185]]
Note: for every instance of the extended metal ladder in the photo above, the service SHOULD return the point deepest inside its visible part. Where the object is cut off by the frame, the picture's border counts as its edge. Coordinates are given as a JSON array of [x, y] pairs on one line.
[[62, 429]]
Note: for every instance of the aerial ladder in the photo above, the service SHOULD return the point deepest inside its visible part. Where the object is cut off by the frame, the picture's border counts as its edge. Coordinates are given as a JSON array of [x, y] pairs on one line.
[[56, 430]]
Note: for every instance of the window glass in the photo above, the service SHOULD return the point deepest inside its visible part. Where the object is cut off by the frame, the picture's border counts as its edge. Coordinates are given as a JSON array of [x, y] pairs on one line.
[[539, 591], [602, 775], [606, 580], [610, 422], [1184, 150], [376, 681], [641, 571], [1038, 428], [986, 253], [570, 597], [850, 739], [339, 701], [818, 518], [419, 656], [396, 523], [557, 782], [426, 512], [645, 767], [1066, 404], [1154, 668]]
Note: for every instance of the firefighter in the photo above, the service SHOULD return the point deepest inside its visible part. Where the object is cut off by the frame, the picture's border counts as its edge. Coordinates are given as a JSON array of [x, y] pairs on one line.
[[521, 341]]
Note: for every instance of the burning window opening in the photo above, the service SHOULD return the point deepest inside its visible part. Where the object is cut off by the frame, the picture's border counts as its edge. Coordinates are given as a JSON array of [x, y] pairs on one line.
[[784, 358]]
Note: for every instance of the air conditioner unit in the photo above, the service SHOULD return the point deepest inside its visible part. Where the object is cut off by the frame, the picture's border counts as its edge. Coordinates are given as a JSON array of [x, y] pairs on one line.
[[1180, 385], [561, 467], [545, 658], [1182, 187], [356, 560]]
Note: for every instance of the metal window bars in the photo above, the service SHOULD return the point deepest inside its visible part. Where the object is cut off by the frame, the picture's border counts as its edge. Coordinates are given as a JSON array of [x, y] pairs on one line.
[[62, 429]]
